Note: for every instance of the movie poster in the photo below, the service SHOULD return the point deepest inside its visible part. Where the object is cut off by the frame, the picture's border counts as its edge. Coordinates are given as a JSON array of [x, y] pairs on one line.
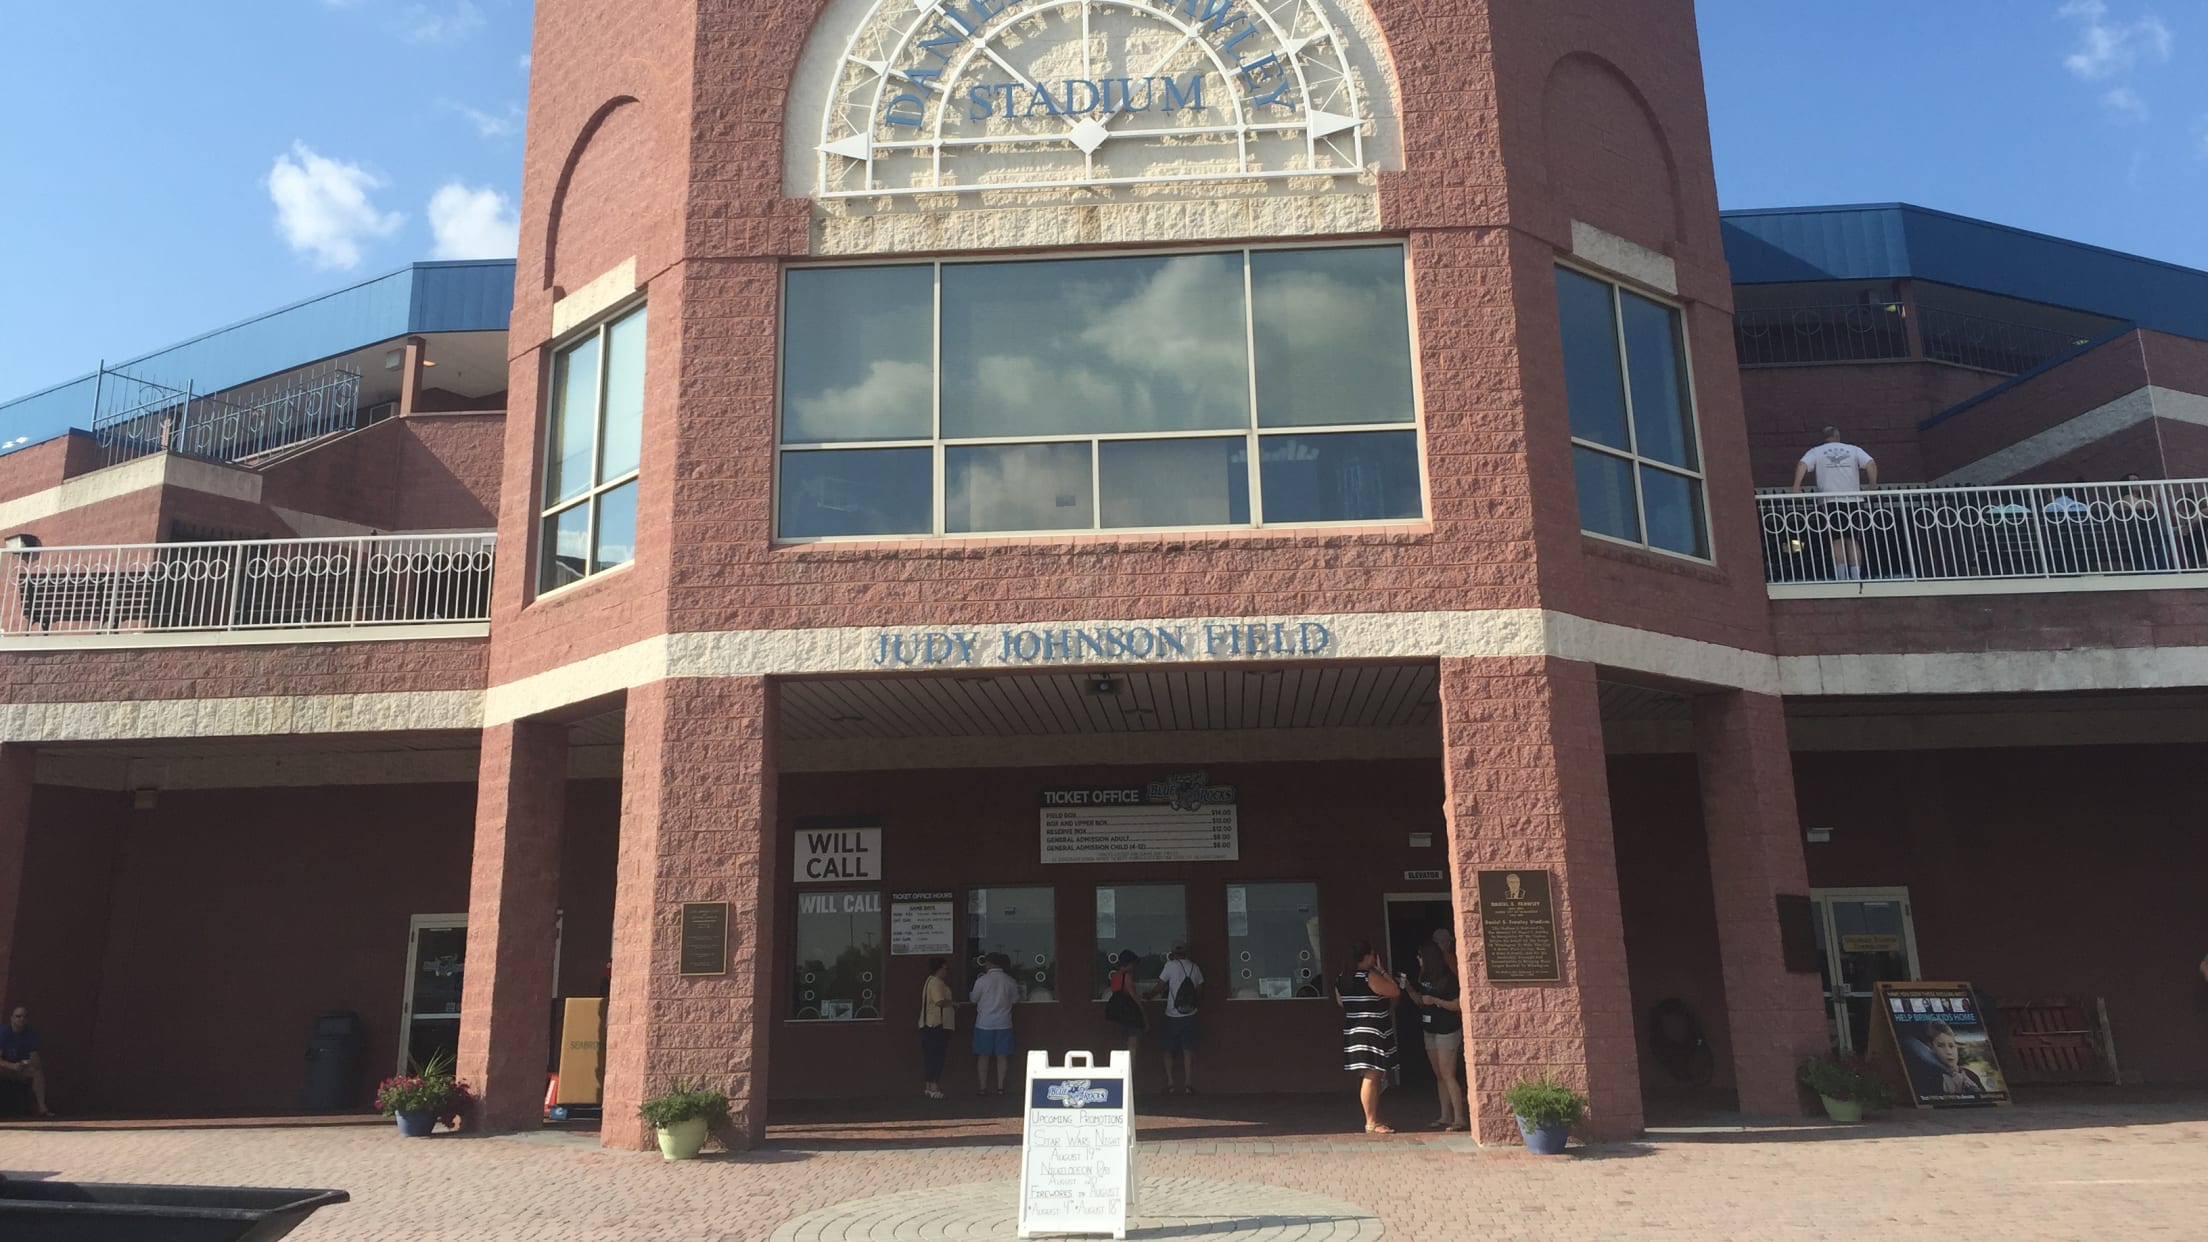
[[1940, 1040]]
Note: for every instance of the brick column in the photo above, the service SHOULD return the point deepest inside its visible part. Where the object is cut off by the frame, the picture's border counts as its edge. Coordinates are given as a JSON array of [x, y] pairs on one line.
[[1526, 787], [17, 777], [513, 905], [1755, 841], [697, 824]]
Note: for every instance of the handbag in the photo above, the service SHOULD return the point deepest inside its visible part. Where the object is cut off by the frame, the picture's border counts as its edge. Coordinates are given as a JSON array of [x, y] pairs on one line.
[[1121, 1008]]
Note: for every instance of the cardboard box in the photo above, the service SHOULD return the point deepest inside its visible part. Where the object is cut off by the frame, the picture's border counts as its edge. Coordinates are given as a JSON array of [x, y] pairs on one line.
[[582, 1050]]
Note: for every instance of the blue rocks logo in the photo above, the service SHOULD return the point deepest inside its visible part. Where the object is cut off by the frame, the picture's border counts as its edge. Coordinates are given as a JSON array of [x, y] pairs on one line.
[[1077, 1094]]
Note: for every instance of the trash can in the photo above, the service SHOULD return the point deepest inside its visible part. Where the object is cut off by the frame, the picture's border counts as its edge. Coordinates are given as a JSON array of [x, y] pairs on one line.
[[333, 1063], [114, 1212]]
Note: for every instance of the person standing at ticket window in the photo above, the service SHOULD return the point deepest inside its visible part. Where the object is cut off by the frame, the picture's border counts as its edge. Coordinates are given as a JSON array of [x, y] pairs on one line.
[[938, 1015], [1181, 984], [994, 995]]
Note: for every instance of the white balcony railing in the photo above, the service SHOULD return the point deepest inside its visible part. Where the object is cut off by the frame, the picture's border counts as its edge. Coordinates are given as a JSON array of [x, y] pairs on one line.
[[2048, 530], [369, 580]]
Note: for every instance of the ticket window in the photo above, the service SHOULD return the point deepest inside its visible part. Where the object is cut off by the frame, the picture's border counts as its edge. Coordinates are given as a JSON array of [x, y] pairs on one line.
[[1147, 918], [1273, 942], [838, 964], [1022, 924]]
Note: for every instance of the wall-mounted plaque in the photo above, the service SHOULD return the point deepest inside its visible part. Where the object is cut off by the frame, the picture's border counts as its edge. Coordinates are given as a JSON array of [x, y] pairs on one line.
[[1518, 927], [705, 937]]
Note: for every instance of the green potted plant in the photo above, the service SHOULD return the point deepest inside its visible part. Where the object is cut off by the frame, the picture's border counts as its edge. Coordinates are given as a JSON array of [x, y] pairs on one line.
[[1845, 1084], [1546, 1110], [425, 1097], [683, 1115]]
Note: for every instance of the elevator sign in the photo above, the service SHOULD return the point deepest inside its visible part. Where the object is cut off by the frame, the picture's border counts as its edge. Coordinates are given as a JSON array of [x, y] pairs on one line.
[[1084, 94], [841, 855]]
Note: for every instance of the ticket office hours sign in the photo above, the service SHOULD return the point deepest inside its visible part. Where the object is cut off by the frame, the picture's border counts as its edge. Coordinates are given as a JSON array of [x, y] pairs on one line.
[[1077, 1146]]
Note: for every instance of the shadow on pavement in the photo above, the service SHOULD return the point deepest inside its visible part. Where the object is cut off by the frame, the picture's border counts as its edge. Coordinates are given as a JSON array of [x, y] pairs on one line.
[[2035, 1109]]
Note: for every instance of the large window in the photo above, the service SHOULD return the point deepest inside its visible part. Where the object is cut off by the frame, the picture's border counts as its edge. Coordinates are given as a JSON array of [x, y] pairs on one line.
[[1148, 919], [1245, 388], [1022, 924], [839, 956], [1634, 453], [594, 432], [1273, 941]]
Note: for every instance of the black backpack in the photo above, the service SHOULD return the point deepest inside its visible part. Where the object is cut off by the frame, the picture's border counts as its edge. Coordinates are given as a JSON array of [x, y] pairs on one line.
[[1186, 994]]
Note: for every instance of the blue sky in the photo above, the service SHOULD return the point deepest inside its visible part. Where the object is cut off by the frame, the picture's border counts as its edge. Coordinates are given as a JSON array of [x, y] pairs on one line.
[[177, 167]]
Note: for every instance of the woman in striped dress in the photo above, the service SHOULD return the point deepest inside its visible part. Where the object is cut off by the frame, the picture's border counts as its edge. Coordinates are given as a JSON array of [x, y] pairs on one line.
[[1367, 996]]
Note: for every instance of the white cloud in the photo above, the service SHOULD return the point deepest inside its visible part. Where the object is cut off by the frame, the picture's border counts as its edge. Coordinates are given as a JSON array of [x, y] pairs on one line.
[[521, 62], [441, 23], [472, 224], [2106, 49], [323, 208], [490, 124], [2124, 104]]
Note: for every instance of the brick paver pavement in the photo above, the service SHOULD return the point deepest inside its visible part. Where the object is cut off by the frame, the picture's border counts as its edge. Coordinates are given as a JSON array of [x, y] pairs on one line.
[[2130, 1165]]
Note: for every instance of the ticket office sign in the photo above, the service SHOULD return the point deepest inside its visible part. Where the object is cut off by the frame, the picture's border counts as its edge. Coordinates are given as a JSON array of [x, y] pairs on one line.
[[1077, 1146], [1182, 818]]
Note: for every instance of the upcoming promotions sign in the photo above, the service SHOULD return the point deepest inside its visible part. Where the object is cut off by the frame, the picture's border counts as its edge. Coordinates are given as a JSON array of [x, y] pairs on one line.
[[1178, 819], [1935, 1034], [1077, 1145]]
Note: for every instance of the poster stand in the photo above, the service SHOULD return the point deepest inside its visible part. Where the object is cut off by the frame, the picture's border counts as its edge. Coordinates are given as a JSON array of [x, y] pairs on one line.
[[1077, 1145], [1931, 1043]]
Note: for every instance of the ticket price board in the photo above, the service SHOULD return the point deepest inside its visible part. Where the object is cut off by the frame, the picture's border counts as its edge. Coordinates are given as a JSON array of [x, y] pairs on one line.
[[1932, 1038], [1077, 1146], [1181, 818], [920, 924]]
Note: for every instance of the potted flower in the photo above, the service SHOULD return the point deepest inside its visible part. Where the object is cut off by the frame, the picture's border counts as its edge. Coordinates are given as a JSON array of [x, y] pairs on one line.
[[425, 1097], [1845, 1084], [1546, 1110], [683, 1115]]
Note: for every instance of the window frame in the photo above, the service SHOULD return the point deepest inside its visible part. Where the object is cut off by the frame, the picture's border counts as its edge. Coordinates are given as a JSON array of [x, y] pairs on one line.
[[1252, 434], [965, 934], [1319, 977], [599, 329], [1619, 287], [881, 925], [1100, 986]]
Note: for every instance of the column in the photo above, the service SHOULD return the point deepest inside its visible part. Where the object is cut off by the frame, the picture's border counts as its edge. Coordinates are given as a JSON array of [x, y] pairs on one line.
[[513, 905], [1755, 841], [697, 825], [17, 777], [1526, 789]]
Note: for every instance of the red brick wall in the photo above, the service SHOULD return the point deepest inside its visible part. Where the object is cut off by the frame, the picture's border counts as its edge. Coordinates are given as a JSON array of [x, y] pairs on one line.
[[2031, 406], [1876, 405], [1342, 826], [401, 474], [2136, 449], [589, 844], [36, 467], [73, 849], [2178, 362], [2037, 873], [106, 676], [1991, 622], [1664, 891]]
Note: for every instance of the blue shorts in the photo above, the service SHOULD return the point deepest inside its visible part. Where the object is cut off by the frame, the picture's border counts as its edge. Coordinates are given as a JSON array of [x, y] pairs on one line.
[[993, 1043], [1180, 1033]]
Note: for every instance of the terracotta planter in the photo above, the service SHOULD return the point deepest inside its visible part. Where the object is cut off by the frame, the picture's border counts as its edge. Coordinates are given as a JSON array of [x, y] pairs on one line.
[[682, 1140]]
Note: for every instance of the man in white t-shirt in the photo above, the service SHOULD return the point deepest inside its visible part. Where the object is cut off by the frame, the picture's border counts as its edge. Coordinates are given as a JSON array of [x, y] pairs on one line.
[[994, 995], [1844, 473], [1180, 982]]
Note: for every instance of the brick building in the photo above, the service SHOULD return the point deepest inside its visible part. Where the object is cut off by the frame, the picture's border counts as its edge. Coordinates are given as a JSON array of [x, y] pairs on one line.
[[1055, 479]]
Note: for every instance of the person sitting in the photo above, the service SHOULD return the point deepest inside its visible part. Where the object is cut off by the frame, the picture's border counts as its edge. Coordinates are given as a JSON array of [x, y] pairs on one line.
[[19, 1058]]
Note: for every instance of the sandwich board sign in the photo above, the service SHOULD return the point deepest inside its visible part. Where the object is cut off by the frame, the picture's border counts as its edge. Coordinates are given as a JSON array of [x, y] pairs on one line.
[[1077, 1145], [1933, 1039]]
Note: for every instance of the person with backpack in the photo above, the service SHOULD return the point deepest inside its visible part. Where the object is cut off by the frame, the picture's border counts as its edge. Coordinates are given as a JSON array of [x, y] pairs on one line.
[[1181, 983]]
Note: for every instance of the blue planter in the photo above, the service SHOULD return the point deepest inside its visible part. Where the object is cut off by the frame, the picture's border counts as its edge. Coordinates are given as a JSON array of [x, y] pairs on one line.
[[1544, 1140], [416, 1123]]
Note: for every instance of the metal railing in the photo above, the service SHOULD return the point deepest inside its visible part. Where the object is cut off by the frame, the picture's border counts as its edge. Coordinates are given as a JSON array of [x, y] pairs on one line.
[[2046, 530], [1806, 335], [132, 416], [1968, 340], [368, 580]]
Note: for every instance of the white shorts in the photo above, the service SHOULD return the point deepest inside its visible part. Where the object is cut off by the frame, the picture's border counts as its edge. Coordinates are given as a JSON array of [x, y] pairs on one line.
[[1450, 1042]]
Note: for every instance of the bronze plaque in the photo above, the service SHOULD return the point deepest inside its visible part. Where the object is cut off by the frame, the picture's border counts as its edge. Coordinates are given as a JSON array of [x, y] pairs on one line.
[[1518, 927], [705, 937]]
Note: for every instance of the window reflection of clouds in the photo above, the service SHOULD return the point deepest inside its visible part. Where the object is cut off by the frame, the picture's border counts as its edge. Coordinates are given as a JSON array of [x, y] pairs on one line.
[[1093, 346], [1333, 337], [1017, 487], [858, 492], [855, 354], [1174, 482]]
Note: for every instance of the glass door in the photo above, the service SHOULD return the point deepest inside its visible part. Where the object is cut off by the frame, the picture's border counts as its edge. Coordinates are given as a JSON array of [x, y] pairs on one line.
[[436, 954], [1866, 937]]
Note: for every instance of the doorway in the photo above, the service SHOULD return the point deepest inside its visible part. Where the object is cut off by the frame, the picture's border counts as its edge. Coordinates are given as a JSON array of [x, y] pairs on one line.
[[1865, 936], [1412, 918], [429, 1015]]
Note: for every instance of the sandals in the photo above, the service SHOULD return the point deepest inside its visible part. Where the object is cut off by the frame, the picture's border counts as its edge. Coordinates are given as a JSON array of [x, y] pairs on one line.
[[1379, 1129]]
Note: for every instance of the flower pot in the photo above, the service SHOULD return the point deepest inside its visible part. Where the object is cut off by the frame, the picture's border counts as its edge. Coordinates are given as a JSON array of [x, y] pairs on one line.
[[416, 1122], [1544, 1140], [1849, 1111], [682, 1140]]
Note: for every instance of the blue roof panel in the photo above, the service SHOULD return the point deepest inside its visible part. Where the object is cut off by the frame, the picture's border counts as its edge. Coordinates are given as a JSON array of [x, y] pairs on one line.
[[1891, 241]]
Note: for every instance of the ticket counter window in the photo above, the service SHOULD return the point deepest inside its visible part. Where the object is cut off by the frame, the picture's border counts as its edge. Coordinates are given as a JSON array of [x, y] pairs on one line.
[[1147, 918], [838, 974], [1022, 924], [1273, 941]]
